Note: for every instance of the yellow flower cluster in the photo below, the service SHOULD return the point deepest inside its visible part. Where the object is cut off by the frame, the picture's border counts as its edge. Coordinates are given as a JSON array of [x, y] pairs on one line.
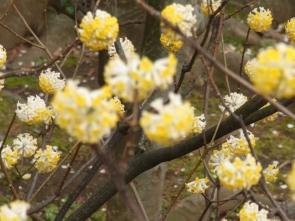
[[181, 16], [239, 145], [34, 111], [46, 160], [271, 117], [274, 71], [233, 101], [248, 67], [290, 29], [15, 211], [197, 186], [198, 123], [239, 174], [3, 55], [291, 181], [170, 44], [251, 212], [9, 156], [271, 172], [86, 115], [25, 145], [127, 47], [212, 7], [100, 31], [139, 76], [218, 157], [259, 21], [50, 82], [170, 123]]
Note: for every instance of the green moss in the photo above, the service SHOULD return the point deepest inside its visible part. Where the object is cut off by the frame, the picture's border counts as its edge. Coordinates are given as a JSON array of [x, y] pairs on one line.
[[31, 81]]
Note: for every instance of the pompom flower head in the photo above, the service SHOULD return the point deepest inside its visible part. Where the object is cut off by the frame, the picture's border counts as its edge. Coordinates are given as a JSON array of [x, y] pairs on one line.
[[197, 186], [259, 19], [100, 31], [240, 173], [34, 111], [86, 115], [3, 55], [233, 101], [50, 82], [170, 44], [15, 211], [290, 29], [127, 47], [271, 172], [46, 160], [251, 212], [181, 16], [274, 71], [170, 123], [139, 75], [9, 156], [209, 9], [25, 145]]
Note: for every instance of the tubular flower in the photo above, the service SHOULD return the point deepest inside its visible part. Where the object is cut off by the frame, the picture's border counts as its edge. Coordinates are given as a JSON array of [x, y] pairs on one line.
[[239, 174], [271, 117], [248, 67], [251, 212], [3, 55], [127, 47], [290, 29], [118, 105], [181, 16], [139, 76], [207, 10], [15, 211], [291, 181], [34, 111], [25, 145], [218, 157], [274, 71], [100, 31], [197, 186], [170, 123], [233, 101], [271, 172], [198, 123], [50, 82], [9, 156], [45, 160], [1, 82], [239, 145], [170, 44], [86, 115], [259, 21]]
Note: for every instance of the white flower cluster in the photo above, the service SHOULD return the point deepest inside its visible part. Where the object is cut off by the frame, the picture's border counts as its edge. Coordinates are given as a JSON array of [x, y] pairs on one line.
[[127, 47], [197, 186], [15, 211], [233, 101], [251, 212], [198, 123], [50, 82], [46, 160], [25, 145]]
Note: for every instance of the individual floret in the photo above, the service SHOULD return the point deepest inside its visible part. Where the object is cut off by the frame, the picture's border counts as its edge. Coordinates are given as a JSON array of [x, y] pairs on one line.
[[170, 44], [290, 29], [118, 105], [233, 101], [197, 186], [86, 115], [3, 55], [212, 7], [181, 16], [274, 71], [15, 211], [9, 156], [46, 160], [25, 145], [239, 174], [50, 82], [100, 31], [251, 212], [259, 19], [271, 172], [167, 123], [127, 47], [34, 111]]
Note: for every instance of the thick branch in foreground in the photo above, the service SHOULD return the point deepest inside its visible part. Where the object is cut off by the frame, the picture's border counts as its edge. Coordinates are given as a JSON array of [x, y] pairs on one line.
[[250, 113]]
